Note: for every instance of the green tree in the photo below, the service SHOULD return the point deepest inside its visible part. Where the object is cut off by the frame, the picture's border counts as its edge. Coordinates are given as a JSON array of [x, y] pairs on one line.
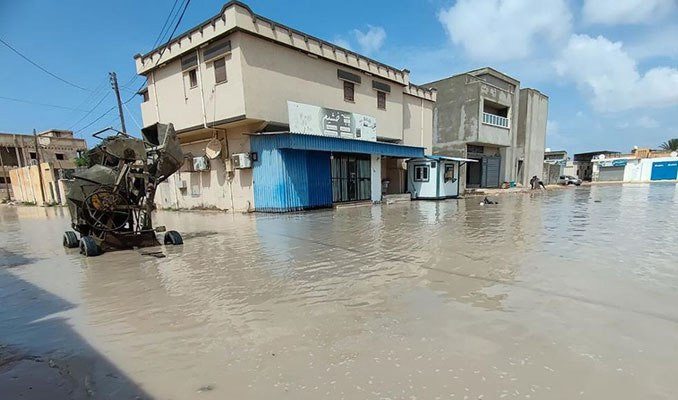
[[671, 145], [82, 160]]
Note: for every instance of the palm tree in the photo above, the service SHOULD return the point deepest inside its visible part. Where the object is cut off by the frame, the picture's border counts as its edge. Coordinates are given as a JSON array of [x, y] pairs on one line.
[[670, 145]]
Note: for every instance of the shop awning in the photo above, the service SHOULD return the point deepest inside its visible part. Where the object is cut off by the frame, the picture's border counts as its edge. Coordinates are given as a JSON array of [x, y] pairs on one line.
[[287, 140]]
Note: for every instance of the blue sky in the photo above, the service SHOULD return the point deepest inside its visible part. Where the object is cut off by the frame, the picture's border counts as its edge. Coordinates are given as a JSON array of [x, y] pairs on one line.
[[610, 67]]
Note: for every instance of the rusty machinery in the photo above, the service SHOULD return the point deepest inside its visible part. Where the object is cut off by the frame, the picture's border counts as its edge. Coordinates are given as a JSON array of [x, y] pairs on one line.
[[111, 201]]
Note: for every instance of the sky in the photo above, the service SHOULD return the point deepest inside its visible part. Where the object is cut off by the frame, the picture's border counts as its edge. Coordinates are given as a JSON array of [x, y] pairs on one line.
[[609, 67]]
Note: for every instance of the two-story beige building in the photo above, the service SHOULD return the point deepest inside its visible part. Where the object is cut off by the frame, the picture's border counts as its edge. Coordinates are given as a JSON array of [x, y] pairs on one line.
[[273, 119]]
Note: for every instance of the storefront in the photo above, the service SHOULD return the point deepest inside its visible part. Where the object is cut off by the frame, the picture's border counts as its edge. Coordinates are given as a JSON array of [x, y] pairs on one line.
[[294, 172]]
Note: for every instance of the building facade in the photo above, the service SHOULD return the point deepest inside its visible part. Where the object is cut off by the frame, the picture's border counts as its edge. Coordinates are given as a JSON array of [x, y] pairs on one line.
[[643, 165], [484, 115], [19, 150], [232, 85], [582, 165]]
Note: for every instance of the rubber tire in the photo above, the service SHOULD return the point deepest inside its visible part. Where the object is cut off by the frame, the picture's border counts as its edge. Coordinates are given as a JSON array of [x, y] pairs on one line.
[[89, 247], [173, 238], [70, 240]]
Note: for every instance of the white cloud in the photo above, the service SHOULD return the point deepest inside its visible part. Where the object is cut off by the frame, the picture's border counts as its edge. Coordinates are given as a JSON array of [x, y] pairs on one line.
[[611, 75], [500, 30], [342, 43], [371, 40], [626, 11]]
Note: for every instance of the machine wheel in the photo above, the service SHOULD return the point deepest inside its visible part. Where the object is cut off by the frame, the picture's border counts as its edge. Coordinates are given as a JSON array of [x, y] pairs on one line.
[[173, 238], [70, 239], [88, 247]]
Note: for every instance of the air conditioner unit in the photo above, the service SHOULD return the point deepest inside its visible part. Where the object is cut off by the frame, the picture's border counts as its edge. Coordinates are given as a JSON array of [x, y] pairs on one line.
[[241, 160]]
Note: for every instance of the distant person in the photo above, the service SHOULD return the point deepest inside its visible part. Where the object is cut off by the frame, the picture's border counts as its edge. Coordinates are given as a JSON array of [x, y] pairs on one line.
[[536, 183]]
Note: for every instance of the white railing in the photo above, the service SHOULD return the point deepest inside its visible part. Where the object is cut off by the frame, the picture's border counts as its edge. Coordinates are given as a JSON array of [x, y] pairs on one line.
[[495, 120]]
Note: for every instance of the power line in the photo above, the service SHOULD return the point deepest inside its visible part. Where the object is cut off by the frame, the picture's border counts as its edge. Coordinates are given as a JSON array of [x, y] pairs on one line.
[[165, 25], [91, 110], [86, 101], [41, 104], [173, 31], [96, 120], [176, 26], [41, 68], [158, 39]]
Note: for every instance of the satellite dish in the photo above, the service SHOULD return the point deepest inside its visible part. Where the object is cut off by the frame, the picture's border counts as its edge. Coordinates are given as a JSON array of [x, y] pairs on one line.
[[213, 149], [601, 157]]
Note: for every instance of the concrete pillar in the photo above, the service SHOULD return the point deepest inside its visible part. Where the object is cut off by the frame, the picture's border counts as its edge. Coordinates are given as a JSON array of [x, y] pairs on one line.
[[375, 175]]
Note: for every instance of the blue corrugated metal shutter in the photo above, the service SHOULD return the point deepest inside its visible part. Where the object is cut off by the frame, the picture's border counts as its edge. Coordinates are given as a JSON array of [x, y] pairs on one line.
[[664, 171]]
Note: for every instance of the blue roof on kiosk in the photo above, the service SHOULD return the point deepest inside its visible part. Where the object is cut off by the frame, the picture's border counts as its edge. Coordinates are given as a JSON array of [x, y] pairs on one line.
[[298, 141]]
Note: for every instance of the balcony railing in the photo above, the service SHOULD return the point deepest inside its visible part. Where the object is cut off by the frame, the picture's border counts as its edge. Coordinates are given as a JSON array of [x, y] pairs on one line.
[[495, 120]]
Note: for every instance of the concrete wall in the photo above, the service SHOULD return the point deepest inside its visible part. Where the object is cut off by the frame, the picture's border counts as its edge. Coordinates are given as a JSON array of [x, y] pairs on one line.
[[636, 170], [531, 136], [457, 120]]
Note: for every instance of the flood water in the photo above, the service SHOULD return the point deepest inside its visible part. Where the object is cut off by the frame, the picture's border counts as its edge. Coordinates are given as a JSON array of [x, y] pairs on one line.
[[566, 294]]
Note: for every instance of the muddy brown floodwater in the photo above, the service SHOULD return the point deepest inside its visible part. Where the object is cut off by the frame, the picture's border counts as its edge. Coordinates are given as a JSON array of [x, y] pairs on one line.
[[569, 294]]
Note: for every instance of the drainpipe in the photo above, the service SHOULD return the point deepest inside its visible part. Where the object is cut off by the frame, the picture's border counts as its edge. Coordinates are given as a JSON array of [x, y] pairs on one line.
[[202, 93], [155, 96], [422, 121]]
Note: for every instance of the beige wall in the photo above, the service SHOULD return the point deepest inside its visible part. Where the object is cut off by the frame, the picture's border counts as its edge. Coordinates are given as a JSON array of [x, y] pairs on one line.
[[171, 99], [217, 188], [26, 184], [418, 122], [274, 74]]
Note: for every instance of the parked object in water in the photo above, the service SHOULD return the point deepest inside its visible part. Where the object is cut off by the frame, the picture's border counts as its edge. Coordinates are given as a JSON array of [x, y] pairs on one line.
[[569, 180], [111, 201]]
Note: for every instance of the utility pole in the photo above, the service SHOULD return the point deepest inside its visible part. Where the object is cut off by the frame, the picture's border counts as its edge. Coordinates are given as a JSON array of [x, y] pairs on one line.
[[37, 157], [114, 84]]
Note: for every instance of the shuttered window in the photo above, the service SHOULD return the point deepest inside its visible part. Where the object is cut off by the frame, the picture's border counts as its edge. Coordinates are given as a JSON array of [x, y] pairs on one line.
[[216, 49], [381, 100], [349, 91], [220, 70], [193, 78]]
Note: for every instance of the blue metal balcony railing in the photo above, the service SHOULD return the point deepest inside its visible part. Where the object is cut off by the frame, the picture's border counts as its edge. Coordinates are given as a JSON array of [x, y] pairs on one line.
[[495, 120]]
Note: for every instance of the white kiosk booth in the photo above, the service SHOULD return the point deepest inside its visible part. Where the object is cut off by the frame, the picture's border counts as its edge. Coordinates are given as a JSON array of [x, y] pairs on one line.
[[434, 177]]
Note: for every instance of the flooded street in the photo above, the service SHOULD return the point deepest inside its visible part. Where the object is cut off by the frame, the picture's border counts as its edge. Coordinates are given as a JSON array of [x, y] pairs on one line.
[[559, 295]]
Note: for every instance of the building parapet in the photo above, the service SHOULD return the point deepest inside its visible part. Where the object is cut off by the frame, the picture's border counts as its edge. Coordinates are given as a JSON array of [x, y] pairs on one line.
[[421, 91], [237, 16]]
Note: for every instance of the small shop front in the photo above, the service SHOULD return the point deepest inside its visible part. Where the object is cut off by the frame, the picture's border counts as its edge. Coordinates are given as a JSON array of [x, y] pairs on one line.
[[294, 172]]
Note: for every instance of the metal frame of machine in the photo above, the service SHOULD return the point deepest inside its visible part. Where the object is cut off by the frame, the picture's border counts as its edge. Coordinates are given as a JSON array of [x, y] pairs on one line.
[[111, 201]]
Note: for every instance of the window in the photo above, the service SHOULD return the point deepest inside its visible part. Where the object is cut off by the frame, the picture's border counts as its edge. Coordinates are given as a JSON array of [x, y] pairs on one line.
[[193, 78], [421, 173], [381, 100], [33, 155], [349, 91], [5, 180], [59, 156], [449, 173], [219, 70]]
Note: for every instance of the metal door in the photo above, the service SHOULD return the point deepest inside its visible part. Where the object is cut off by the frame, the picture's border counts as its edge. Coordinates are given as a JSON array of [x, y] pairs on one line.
[[490, 176], [351, 177], [664, 170], [611, 174]]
